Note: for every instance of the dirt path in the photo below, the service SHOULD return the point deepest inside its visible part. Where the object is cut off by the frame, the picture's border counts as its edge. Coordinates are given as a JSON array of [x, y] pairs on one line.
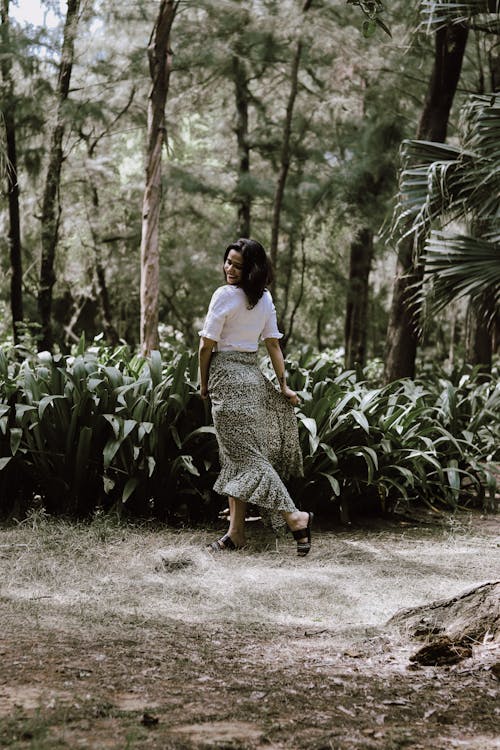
[[111, 639]]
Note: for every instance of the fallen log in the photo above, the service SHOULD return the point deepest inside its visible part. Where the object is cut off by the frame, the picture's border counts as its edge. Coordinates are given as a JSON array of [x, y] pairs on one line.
[[451, 626], [473, 615]]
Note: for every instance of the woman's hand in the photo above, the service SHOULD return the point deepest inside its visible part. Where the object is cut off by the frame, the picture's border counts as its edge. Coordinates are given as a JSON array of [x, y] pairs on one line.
[[204, 392], [290, 395]]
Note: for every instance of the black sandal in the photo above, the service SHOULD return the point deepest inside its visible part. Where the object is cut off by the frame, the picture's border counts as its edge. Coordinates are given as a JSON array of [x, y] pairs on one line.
[[303, 548], [222, 544]]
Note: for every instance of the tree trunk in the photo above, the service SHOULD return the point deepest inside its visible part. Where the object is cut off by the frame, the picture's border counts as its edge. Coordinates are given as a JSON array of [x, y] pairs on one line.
[[402, 337], [357, 298], [285, 152], [160, 63], [110, 331], [479, 340], [285, 322], [16, 268], [495, 344], [470, 615], [244, 199], [51, 207]]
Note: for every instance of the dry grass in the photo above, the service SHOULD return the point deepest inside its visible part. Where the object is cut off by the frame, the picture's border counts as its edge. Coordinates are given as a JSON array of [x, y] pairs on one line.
[[351, 580], [103, 625]]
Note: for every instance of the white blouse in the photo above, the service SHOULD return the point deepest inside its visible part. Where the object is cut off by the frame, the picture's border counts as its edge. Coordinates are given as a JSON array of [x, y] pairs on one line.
[[234, 326]]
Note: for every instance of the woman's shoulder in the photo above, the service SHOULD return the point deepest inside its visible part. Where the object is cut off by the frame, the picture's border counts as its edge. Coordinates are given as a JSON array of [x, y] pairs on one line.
[[222, 292], [267, 297], [226, 294]]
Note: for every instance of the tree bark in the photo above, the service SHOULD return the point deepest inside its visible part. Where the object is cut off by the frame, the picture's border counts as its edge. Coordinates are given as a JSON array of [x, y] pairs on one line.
[[479, 340], [51, 207], [160, 63], [402, 337], [472, 615], [110, 331], [15, 249], [357, 298], [285, 152], [244, 200]]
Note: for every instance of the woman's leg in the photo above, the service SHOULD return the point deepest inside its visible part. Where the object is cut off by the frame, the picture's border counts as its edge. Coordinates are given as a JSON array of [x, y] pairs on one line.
[[299, 523], [297, 520], [237, 513]]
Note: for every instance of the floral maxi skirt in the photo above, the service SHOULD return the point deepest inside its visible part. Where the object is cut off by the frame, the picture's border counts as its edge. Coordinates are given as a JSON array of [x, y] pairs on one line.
[[257, 434]]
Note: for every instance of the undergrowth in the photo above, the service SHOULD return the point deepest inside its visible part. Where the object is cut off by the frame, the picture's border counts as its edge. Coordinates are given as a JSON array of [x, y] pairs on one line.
[[105, 431]]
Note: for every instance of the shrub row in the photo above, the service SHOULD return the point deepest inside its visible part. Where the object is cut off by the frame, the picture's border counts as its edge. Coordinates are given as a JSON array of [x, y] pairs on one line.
[[104, 429]]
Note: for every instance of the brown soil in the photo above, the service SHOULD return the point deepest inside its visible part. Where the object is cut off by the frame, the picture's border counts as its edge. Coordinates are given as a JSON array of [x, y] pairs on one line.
[[70, 680]]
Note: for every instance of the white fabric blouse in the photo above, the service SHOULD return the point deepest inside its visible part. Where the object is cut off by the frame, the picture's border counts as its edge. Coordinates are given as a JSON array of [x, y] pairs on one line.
[[234, 326]]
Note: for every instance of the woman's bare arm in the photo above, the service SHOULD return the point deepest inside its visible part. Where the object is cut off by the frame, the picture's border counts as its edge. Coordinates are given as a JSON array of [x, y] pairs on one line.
[[204, 357], [276, 355]]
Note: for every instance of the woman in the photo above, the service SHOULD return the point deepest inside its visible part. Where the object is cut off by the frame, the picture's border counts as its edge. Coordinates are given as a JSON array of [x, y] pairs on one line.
[[255, 424]]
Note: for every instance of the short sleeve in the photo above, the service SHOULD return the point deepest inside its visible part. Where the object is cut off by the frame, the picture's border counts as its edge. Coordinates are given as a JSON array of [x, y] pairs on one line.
[[216, 315], [270, 330]]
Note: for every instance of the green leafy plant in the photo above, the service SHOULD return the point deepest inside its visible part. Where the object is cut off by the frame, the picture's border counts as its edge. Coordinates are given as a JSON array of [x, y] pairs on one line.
[[105, 429]]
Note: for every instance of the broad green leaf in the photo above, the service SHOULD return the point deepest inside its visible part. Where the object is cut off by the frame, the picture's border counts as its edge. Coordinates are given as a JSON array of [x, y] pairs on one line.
[[175, 434], [333, 483], [311, 427], [205, 430], [82, 459], [128, 426], [371, 465], [408, 475], [427, 457], [130, 487], [330, 453], [16, 435], [145, 428], [178, 384], [114, 376], [114, 422], [309, 423], [110, 450], [361, 419], [187, 461], [22, 410], [46, 401], [155, 368]]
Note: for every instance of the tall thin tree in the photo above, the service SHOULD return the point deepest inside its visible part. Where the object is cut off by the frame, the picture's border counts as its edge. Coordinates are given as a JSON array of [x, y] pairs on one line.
[[51, 208], [284, 162], [243, 196], [9, 121], [160, 64], [361, 254]]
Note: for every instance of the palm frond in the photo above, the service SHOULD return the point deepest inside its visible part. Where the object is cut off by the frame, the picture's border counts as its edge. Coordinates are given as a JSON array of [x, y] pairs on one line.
[[436, 14], [461, 266], [426, 189], [441, 183]]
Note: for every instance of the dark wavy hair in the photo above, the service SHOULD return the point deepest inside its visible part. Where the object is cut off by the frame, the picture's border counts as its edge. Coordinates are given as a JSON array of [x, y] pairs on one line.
[[256, 273]]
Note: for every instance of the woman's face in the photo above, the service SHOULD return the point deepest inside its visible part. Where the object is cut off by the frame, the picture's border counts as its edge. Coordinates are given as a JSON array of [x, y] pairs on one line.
[[233, 267]]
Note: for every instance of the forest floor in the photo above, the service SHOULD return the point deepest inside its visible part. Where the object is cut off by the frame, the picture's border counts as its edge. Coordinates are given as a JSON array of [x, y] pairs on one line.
[[137, 638]]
